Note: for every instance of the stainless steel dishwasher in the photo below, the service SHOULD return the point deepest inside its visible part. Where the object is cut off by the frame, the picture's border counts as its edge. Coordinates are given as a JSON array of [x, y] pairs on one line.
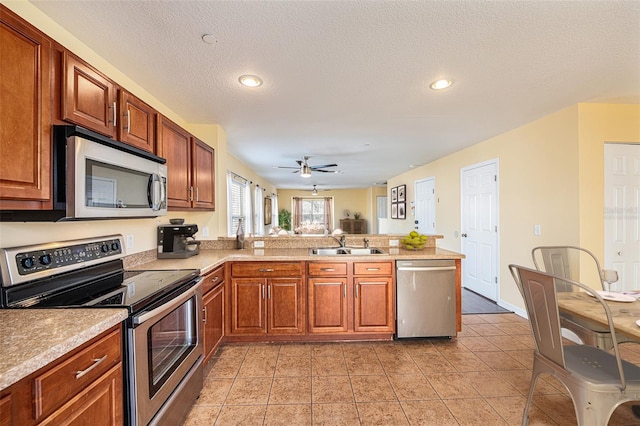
[[425, 298]]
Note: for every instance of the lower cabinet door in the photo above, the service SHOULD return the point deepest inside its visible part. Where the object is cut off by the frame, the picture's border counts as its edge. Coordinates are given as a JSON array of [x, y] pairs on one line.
[[328, 305], [286, 308], [373, 304], [248, 306], [213, 305]]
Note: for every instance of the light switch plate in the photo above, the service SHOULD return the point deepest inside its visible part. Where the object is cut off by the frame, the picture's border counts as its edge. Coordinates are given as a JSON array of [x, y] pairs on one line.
[[394, 243], [258, 244], [537, 230]]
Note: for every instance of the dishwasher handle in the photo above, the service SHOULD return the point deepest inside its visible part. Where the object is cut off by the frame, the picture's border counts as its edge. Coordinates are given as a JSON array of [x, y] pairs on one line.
[[426, 268]]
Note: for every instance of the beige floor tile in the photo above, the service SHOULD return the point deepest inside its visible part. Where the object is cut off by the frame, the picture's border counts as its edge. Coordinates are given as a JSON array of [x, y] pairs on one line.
[[365, 365], [433, 363], [381, 413], [288, 415], [241, 415], [331, 389], [523, 356], [372, 389], [506, 343], [264, 349], [335, 415], [452, 385], [474, 412], [326, 349], [500, 360], [412, 387], [214, 391], [290, 390], [358, 348], [232, 350], [226, 367], [511, 410], [328, 366], [251, 390], [295, 349], [293, 366], [478, 343], [486, 330], [258, 366], [401, 366], [202, 415], [428, 413], [464, 362], [558, 407], [489, 383]]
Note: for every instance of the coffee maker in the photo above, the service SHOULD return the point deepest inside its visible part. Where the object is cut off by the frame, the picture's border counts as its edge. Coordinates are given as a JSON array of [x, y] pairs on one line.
[[177, 241]]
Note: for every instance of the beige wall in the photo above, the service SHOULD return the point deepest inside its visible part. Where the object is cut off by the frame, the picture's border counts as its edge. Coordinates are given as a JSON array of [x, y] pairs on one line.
[[354, 200], [550, 173], [143, 230]]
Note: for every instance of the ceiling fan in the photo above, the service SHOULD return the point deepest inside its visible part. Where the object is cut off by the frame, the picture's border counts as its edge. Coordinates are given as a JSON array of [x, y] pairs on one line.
[[305, 169], [316, 190]]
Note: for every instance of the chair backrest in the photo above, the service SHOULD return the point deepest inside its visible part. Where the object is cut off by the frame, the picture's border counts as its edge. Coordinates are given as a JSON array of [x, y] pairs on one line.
[[567, 262], [539, 293]]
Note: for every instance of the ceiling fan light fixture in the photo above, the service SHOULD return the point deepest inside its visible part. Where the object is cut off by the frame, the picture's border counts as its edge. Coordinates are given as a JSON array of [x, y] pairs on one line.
[[315, 191], [250, 80], [305, 171], [441, 84]]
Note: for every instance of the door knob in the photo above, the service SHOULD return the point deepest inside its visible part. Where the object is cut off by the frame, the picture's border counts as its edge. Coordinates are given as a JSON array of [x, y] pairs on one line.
[[619, 253], [464, 235]]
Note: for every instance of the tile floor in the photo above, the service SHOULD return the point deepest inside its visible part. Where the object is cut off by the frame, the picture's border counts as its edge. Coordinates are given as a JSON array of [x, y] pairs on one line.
[[480, 378]]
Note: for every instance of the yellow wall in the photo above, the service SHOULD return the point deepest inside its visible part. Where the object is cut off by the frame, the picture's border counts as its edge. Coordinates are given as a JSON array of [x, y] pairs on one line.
[[550, 173], [354, 200], [143, 230]]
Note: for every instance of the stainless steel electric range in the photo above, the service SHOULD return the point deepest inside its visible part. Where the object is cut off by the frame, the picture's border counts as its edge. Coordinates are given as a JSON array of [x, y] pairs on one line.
[[163, 344]]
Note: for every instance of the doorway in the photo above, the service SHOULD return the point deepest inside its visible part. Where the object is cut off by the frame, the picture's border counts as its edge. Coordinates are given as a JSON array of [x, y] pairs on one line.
[[479, 236], [381, 212], [622, 213], [425, 207]]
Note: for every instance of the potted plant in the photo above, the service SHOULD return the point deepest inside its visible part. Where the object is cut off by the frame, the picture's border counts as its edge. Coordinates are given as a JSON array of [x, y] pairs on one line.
[[284, 219]]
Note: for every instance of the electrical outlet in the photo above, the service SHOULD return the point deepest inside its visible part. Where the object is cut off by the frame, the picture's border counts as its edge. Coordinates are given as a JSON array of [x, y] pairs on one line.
[[205, 231], [537, 230], [258, 244], [129, 241], [394, 243]]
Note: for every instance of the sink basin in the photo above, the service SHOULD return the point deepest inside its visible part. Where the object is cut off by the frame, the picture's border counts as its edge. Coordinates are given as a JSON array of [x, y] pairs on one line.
[[335, 251]]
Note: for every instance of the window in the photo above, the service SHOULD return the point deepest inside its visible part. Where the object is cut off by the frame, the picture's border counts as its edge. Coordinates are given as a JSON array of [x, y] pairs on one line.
[[312, 215], [238, 203]]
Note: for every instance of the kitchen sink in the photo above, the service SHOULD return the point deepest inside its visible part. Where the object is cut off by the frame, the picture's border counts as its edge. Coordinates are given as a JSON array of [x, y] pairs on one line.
[[335, 251]]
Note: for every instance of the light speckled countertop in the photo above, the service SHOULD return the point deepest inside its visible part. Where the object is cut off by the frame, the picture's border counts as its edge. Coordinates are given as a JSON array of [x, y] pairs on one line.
[[32, 338], [208, 260]]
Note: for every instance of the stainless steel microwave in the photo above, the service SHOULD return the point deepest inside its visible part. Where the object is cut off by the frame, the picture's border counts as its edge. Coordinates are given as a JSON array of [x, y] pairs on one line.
[[95, 177]]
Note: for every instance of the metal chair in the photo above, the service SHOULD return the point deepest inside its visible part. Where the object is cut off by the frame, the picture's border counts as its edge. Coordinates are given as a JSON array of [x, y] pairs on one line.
[[597, 381], [566, 262]]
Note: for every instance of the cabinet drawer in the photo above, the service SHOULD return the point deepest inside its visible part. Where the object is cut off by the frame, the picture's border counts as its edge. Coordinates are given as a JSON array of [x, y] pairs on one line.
[[212, 279], [60, 383], [324, 269], [266, 269], [373, 268]]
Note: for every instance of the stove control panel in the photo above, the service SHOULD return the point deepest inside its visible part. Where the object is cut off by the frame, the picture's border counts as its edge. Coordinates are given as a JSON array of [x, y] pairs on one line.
[[25, 263]]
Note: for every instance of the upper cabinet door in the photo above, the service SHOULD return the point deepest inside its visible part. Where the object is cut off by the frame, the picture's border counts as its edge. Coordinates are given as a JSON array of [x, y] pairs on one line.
[[203, 161], [25, 121], [174, 144], [137, 122], [88, 97]]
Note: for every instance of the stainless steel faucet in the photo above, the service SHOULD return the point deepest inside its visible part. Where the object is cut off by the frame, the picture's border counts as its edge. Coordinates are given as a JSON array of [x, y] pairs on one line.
[[366, 243], [342, 240]]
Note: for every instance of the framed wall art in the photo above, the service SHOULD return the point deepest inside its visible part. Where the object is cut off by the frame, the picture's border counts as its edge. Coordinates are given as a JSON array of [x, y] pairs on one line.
[[394, 211], [402, 189], [402, 210], [394, 194]]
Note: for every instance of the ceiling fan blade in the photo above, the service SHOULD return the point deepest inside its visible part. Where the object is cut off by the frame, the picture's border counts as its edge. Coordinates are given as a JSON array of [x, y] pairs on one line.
[[299, 162], [285, 167], [325, 171], [324, 166]]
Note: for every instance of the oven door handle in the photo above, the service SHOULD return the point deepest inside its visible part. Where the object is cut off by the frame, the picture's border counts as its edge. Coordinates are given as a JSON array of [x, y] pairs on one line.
[[167, 307]]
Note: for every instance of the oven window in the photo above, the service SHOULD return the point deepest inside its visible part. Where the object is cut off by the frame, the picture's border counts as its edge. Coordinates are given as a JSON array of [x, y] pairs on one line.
[[170, 341]]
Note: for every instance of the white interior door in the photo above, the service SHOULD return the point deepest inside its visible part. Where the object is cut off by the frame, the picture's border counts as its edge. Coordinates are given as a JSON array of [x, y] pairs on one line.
[[381, 211], [425, 207], [622, 213], [479, 203]]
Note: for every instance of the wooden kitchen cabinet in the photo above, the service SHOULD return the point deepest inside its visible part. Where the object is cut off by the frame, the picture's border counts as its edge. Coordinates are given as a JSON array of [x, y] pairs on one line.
[[348, 297], [213, 307], [353, 226], [25, 122], [88, 97], [60, 394], [190, 167], [137, 122], [267, 298]]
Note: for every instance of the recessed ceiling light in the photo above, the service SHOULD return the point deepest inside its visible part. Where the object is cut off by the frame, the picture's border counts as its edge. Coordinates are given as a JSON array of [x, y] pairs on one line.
[[441, 84], [250, 80], [209, 39]]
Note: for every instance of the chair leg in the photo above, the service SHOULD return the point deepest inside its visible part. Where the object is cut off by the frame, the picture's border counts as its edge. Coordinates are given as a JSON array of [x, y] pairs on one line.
[[532, 386]]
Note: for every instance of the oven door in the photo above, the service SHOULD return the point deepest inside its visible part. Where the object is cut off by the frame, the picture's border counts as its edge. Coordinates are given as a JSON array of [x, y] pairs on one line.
[[165, 347]]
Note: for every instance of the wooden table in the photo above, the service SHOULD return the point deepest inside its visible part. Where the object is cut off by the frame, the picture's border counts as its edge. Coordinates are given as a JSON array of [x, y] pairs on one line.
[[625, 314]]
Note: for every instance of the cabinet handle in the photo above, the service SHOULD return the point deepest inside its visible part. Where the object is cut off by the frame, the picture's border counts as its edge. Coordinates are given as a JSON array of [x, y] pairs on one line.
[[114, 114], [372, 282], [373, 269], [215, 279], [265, 270], [344, 286], [191, 193], [357, 285], [268, 291], [96, 362], [262, 288], [204, 315], [197, 194], [128, 127], [328, 269]]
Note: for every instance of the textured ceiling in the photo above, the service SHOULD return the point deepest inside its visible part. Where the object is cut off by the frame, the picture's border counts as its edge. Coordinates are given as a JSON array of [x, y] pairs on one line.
[[347, 81]]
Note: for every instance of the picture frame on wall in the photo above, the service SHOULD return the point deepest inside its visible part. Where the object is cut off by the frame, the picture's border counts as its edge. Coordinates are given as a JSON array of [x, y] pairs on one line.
[[267, 211], [394, 194], [402, 190], [402, 210], [394, 210]]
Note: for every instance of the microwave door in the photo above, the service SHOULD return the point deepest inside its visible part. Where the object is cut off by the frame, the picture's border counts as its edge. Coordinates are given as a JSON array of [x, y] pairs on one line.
[[156, 192]]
